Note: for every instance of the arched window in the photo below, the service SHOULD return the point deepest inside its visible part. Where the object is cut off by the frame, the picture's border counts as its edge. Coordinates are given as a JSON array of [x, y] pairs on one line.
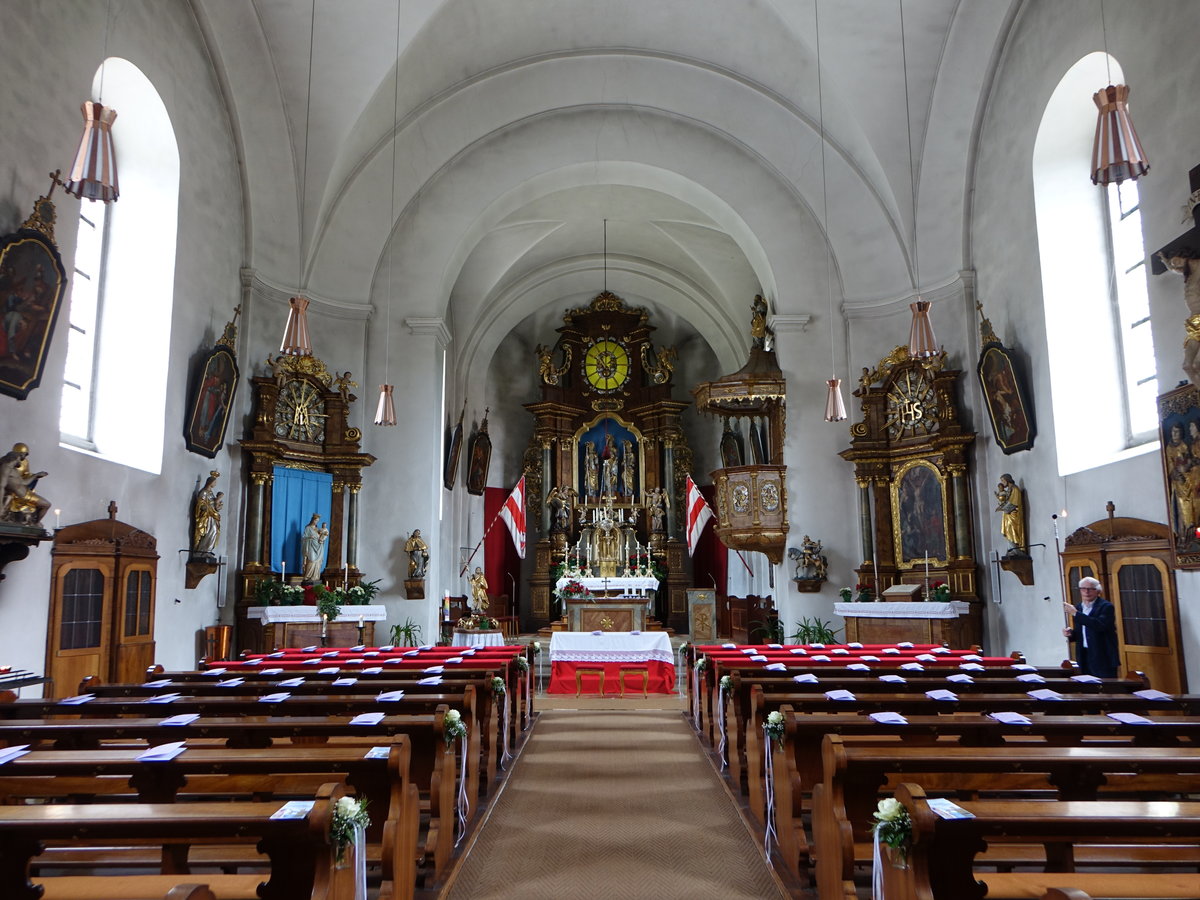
[[122, 290], [1101, 356]]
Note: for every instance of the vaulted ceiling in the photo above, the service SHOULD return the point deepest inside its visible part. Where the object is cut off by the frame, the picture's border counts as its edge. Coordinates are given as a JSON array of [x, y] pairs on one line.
[[518, 127]]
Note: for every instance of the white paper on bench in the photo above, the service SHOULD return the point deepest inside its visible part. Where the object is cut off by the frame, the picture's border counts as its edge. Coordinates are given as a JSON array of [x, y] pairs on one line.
[[960, 678], [947, 810], [892, 651], [76, 700], [1023, 667], [820, 657], [806, 678], [729, 646], [927, 657], [758, 657], [371, 718], [294, 809], [869, 658], [8, 754], [312, 649], [941, 694], [272, 671], [278, 697], [855, 644], [749, 651], [1031, 678], [395, 661], [292, 682], [436, 679], [328, 670], [162, 752], [344, 682], [799, 651], [378, 753], [888, 718], [817, 646], [358, 649], [330, 653], [357, 661], [425, 647], [839, 695], [374, 670], [411, 653], [905, 644], [162, 682], [387, 648], [390, 696], [470, 651], [371, 653], [1086, 679], [971, 667], [311, 662], [1129, 718], [215, 672], [775, 646], [974, 657], [277, 655], [941, 650], [231, 682], [1009, 718], [433, 670], [453, 659], [163, 698], [840, 651], [1045, 694], [181, 719], [775, 667], [894, 679], [1151, 694], [913, 667], [254, 662], [858, 667]]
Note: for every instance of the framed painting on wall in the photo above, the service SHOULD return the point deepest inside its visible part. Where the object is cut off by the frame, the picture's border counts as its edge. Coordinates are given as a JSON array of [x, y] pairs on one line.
[[212, 396], [453, 451], [32, 281], [1179, 437], [479, 459], [919, 515], [1006, 398]]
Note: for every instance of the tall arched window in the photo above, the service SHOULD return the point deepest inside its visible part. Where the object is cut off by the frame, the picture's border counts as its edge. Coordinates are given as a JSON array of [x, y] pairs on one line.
[[122, 290], [1101, 354]]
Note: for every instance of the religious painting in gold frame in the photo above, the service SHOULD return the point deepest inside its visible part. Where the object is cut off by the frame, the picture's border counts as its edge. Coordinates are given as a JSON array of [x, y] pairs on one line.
[[919, 515], [1179, 436], [32, 281]]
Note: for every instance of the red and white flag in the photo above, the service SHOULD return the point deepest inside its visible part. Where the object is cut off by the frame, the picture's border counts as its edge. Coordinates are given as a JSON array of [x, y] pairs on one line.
[[513, 514], [698, 514]]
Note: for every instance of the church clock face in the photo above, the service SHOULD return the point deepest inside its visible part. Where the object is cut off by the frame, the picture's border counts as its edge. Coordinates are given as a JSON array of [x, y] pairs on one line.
[[300, 412], [606, 365], [911, 406]]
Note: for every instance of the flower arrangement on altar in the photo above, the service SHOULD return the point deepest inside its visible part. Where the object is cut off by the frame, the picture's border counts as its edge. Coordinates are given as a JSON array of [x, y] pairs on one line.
[[575, 590], [940, 592], [893, 827], [477, 623], [862, 593], [453, 727], [269, 592], [348, 814]]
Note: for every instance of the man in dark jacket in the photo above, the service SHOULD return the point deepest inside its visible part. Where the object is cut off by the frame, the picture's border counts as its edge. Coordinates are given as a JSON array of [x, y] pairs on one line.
[[1094, 630]]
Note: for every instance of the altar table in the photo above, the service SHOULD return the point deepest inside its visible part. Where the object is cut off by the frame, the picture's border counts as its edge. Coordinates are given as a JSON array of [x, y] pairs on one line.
[[611, 651], [269, 628], [957, 622], [475, 637]]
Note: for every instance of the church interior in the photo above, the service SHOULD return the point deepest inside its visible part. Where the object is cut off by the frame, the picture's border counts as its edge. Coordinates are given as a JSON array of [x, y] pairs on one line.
[[365, 295]]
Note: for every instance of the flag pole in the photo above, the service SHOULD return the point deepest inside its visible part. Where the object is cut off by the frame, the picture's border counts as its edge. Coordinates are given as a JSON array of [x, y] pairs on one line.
[[467, 564], [743, 559]]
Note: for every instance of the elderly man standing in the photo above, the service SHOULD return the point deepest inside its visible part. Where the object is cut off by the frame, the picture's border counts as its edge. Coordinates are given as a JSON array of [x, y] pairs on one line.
[[1093, 628]]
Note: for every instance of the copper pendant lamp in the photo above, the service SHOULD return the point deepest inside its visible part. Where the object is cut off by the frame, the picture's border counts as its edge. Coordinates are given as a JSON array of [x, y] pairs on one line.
[[93, 173], [1117, 153], [296, 339], [385, 411]]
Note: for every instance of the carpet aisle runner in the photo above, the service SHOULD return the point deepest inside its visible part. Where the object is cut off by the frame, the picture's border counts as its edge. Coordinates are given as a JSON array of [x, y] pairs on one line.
[[613, 804]]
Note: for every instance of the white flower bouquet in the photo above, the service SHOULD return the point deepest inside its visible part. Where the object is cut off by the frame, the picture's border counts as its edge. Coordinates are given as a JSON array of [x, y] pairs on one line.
[[348, 814]]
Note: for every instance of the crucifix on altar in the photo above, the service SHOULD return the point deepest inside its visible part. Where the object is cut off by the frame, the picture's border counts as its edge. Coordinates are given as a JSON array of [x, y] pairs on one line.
[[1182, 255]]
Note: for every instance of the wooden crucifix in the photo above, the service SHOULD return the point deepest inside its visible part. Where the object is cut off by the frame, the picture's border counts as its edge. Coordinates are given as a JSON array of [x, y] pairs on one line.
[[1182, 255]]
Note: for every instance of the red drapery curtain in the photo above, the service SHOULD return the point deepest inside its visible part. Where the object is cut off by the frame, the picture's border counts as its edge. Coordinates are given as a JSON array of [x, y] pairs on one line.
[[501, 565], [710, 563]]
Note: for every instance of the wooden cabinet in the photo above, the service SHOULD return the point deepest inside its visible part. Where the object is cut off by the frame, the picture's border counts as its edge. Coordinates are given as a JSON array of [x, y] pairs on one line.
[[101, 603], [1132, 560]]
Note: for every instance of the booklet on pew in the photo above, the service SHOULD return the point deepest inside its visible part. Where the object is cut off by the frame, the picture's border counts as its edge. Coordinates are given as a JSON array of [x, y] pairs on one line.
[[948, 810], [839, 695], [971, 667], [433, 679], [857, 667], [387, 648], [1009, 718], [371, 718], [358, 649], [411, 652], [1126, 718], [231, 682], [181, 719], [311, 662], [433, 670], [1151, 694], [840, 651], [960, 678], [912, 667], [1045, 694], [799, 651], [294, 809], [162, 752], [374, 670], [162, 682], [774, 667], [328, 670], [820, 657], [163, 698], [378, 753], [292, 682], [278, 654], [214, 671], [894, 679], [344, 682], [855, 644], [390, 696], [8, 754], [272, 671], [278, 697], [1031, 678], [312, 649], [941, 694], [1022, 667], [806, 678], [888, 718], [769, 646], [77, 699], [891, 651], [1086, 679]]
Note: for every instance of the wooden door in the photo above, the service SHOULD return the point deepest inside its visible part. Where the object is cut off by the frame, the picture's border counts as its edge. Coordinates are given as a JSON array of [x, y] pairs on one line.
[[1141, 589], [133, 624], [80, 620], [1076, 567]]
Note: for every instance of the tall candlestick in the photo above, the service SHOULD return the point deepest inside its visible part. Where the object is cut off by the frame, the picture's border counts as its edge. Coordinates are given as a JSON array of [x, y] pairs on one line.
[[283, 571], [57, 514], [345, 576], [926, 572], [875, 562], [360, 621], [324, 624]]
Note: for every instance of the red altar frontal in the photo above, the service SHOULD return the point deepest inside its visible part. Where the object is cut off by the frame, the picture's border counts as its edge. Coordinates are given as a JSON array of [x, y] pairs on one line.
[[611, 662]]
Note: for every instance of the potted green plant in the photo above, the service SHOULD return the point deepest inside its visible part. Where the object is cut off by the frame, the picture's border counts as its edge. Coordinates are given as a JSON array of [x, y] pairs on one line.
[[406, 635], [814, 631]]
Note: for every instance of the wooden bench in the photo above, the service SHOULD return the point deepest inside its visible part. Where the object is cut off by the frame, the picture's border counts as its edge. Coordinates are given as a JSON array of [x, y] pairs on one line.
[[299, 851], [855, 773], [943, 861]]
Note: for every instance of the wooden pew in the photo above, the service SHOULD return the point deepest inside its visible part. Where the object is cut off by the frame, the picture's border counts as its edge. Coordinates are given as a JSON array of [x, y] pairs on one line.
[[856, 772], [280, 773], [299, 850], [943, 861]]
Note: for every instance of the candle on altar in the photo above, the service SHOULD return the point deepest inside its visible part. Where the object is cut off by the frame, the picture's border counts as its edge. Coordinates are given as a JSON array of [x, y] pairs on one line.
[[345, 576], [360, 621], [875, 562], [57, 518], [283, 571]]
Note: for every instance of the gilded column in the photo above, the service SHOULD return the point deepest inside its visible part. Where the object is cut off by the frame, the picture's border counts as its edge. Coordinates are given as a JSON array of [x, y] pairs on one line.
[[669, 485], [544, 518], [254, 518], [352, 528], [865, 521]]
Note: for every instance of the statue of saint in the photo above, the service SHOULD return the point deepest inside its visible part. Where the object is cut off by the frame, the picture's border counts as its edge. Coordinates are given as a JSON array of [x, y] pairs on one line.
[[608, 466], [479, 592], [1011, 506], [20, 502], [418, 554], [312, 549], [628, 469], [656, 504], [760, 334], [591, 463], [206, 517]]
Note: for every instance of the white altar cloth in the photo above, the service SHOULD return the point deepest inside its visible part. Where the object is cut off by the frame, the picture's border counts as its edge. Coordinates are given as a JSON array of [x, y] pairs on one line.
[[902, 609], [273, 614], [610, 646], [629, 587]]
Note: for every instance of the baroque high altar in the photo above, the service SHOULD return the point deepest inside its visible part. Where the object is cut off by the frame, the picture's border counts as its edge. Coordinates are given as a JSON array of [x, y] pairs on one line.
[[607, 463]]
